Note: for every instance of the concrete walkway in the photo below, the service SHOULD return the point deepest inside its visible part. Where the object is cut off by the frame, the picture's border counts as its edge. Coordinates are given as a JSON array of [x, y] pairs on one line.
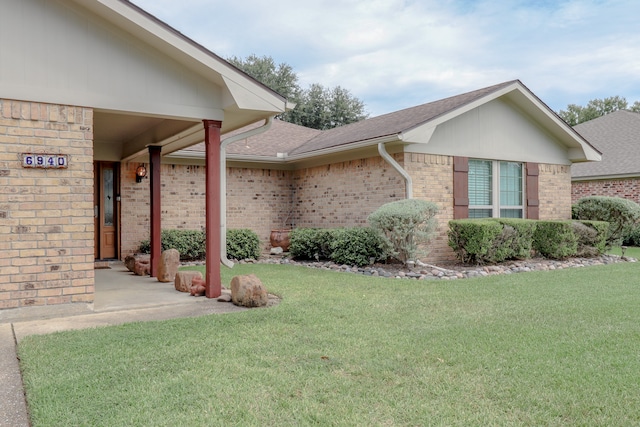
[[120, 297]]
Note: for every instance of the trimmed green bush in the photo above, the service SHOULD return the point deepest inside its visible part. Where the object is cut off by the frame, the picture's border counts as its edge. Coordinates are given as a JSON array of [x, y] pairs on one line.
[[191, 244], [311, 243], [407, 225], [555, 239], [632, 237], [491, 240], [242, 244], [592, 237], [473, 239], [621, 214], [521, 242], [357, 246]]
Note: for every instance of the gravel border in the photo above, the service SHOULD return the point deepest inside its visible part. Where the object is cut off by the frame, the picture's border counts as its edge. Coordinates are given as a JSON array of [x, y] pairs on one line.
[[421, 271]]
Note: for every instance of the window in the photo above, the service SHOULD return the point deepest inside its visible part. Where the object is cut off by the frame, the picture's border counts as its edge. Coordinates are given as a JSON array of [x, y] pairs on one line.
[[491, 178]]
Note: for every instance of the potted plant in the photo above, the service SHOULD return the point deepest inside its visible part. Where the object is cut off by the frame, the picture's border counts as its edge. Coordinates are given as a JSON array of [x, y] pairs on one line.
[[281, 238]]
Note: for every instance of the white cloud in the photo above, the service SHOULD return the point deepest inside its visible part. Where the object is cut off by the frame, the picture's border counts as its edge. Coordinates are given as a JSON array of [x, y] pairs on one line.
[[399, 53]]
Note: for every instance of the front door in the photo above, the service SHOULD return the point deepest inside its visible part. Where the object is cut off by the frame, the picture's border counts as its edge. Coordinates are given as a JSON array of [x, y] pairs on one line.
[[106, 194]]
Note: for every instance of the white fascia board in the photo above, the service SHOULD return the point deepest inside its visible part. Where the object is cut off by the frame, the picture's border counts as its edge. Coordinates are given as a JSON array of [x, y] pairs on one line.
[[176, 45]]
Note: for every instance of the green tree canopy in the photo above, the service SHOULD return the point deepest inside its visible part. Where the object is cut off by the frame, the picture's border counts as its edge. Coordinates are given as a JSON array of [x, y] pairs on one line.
[[576, 114], [317, 107]]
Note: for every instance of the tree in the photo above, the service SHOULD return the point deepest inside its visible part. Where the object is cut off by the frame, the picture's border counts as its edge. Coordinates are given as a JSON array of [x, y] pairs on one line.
[[317, 107], [576, 114], [280, 78]]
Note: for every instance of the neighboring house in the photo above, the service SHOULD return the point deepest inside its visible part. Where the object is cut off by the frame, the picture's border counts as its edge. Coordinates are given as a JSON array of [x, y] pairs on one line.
[[132, 94], [617, 136], [497, 151], [86, 88]]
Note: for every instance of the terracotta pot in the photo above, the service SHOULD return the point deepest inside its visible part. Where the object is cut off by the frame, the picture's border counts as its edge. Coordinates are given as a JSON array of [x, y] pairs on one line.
[[280, 238]]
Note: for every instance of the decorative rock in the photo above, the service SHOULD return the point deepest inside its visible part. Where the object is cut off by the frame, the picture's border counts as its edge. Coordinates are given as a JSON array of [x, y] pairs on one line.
[[168, 266], [197, 287], [130, 262], [276, 250], [225, 297], [184, 280], [248, 291], [142, 267]]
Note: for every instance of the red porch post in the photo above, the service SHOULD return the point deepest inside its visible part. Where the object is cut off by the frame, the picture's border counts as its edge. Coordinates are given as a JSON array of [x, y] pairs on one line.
[[155, 211], [213, 282]]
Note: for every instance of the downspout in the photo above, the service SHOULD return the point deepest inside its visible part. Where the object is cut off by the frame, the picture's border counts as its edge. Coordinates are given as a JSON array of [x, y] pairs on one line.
[[223, 184], [409, 183]]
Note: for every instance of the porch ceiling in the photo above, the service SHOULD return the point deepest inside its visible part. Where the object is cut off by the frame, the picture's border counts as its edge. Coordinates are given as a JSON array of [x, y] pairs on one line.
[[123, 136]]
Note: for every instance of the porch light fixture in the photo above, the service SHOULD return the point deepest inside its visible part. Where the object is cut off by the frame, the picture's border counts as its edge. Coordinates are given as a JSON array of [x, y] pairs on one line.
[[141, 172]]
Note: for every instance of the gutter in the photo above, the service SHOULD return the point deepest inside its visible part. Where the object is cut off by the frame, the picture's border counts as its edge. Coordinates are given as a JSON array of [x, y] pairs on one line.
[[387, 157], [223, 184]]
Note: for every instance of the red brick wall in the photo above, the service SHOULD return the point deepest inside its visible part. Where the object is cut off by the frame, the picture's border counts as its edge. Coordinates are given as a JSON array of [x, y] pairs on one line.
[[628, 188]]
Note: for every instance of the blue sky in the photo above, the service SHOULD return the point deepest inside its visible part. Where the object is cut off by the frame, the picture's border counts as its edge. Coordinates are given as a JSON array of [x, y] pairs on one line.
[[394, 54]]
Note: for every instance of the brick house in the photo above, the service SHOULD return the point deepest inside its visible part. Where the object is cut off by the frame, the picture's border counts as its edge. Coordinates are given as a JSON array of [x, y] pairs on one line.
[[617, 135], [134, 95], [456, 152], [92, 89]]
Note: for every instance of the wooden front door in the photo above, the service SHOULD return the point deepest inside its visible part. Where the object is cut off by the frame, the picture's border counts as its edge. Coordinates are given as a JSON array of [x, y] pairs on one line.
[[106, 194]]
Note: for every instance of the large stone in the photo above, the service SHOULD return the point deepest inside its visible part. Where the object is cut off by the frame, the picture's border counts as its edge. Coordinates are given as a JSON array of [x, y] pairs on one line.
[[184, 280], [168, 266], [248, 291], [197, 287], [142, 267], [130, 261]]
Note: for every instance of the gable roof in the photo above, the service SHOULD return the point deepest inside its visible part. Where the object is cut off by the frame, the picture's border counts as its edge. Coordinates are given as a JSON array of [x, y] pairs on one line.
[[413, 125], [617, 135], [391, 123], [147, 83]]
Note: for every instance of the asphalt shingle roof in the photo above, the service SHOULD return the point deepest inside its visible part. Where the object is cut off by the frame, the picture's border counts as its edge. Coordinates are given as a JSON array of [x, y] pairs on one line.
[[617, 136], [282, 137], [392, 123]]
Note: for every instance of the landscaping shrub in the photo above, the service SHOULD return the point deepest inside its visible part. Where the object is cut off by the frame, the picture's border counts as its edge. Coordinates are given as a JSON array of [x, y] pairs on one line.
[[472, 239], [242, 244], [555, 239], [621, 214], [491, 240], [591, 236], [191, 244], [407, 225], [311, 243], [521, 242], [357, 246], [632, 236]]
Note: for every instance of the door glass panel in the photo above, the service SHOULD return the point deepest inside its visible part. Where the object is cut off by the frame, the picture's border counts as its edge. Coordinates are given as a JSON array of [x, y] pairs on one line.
[[107, 185]]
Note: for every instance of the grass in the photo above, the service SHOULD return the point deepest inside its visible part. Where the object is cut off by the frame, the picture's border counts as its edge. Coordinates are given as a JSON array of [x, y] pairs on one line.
[[542, 348], [631, 251]]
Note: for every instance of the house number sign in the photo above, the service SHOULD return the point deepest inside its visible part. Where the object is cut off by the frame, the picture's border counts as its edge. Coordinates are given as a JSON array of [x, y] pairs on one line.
[[46, 161]]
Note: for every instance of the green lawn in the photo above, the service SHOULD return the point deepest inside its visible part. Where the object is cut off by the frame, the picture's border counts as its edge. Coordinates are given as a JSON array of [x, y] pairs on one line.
[[546, 348]]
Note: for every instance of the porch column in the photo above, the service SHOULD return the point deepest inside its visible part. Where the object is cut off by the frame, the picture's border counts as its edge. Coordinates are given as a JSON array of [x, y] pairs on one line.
[[213, 282], [155, 211]]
